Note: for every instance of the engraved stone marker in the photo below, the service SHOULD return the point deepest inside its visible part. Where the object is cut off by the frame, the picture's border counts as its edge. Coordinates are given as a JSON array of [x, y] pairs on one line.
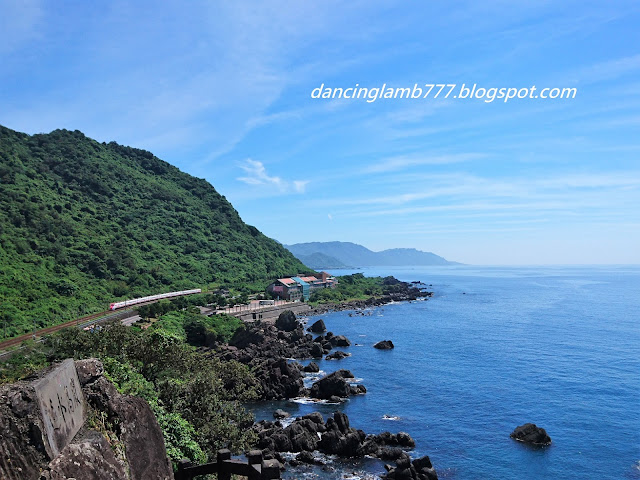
[[62, 405]]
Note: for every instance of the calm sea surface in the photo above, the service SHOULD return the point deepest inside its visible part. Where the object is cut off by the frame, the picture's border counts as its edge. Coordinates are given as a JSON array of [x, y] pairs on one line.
[[494, 348]]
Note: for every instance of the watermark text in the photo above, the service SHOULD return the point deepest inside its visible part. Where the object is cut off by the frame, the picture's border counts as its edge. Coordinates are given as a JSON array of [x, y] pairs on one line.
[[433, 91]]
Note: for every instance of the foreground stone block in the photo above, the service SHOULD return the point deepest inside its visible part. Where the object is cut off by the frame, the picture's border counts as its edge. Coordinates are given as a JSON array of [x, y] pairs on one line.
[[62, 406]]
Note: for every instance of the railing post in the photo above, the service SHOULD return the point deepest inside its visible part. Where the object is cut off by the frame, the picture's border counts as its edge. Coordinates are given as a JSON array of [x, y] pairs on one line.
[[255, 461], [181, 474], [224, 472], [270, 469]]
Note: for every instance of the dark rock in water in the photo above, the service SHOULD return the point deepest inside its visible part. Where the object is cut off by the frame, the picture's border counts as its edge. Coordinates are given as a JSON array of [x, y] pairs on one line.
[[304, 442], [279, 379], [339, 341], [531, 434], [318, 327], [342, 421], [401, 439], [338, 437], [335, 399], [311, 368], [317, 351], [337, 355], [315, 417], [279, 413], [334, 384], [405, 440], [390, 453], [419, 469], [287, 321], [307, 457], [384, 345], [358, 389], [424, 469], [282, 442]]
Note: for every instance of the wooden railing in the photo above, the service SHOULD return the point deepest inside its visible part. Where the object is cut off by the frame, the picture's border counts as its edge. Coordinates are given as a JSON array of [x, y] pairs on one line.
[[256, 468]]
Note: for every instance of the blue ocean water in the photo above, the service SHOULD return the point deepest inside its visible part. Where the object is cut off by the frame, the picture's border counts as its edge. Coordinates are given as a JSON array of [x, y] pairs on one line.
[[494, 348]]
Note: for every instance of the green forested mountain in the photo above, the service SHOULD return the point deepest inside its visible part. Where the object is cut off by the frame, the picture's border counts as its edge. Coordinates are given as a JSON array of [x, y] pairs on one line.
[[83, 223]]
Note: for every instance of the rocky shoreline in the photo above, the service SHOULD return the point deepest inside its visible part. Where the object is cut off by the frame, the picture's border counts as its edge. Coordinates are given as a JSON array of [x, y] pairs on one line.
[[411, 294], [311, 433], [271, 350]]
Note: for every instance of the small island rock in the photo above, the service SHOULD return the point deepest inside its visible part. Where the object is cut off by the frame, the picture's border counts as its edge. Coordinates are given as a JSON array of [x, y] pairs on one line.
[[311, 368], [384, 345], [318, 327], [337, 355], [279, 413], [531, 434]]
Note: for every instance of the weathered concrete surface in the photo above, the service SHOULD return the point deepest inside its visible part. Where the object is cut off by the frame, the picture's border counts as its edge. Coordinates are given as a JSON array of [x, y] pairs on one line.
[[61, 405]]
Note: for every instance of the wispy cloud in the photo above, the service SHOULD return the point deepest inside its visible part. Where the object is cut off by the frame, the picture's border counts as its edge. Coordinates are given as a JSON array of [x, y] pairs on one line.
[[256, 174], [608, 70], [580, 195], [403, 161]]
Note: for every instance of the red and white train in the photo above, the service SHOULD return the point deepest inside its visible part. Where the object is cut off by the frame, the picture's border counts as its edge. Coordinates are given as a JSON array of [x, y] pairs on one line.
[[151, 298]]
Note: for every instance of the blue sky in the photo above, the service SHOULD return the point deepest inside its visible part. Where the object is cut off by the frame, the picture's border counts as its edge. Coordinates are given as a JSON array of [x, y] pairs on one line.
[[223, 91]]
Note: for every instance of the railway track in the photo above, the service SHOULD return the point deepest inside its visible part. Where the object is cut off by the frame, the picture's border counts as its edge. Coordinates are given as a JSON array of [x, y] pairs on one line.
[[79, 322]]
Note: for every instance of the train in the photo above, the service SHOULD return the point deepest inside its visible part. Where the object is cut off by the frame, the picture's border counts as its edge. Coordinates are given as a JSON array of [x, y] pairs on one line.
[[151, 298]]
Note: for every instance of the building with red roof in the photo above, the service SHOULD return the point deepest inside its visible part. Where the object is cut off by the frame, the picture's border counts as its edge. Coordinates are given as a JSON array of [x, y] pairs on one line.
[[300, 288]]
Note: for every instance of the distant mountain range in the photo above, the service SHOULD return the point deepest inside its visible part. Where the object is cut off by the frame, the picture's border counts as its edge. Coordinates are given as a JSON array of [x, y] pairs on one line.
[[319, 255]]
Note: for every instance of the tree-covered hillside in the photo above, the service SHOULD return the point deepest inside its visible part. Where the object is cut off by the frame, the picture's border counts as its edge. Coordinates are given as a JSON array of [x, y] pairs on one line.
[[84, 223]]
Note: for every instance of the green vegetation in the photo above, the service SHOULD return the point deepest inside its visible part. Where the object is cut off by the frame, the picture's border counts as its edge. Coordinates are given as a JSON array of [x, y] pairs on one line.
[[84, 223], [198, 330], [196, 399], [357, 287]]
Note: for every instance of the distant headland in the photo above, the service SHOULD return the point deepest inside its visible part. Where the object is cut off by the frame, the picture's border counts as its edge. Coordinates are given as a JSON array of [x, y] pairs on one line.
[[320, 255]]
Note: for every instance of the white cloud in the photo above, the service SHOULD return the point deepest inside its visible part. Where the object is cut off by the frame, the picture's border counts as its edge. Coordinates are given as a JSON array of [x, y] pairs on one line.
[[403, 161], [256, 174], [300, 185]]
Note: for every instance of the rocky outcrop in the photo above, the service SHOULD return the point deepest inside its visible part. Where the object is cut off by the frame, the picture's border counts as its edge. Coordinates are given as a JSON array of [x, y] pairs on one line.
[[337, 437], [287, 321], [318, 327], [22, 440], [90, 458], [405, 292], [279, 414], [135, 425], [339, 355], [384, 345], [406, 469], [336, 385], [135, 436], [338, 340], [531, 434], [311, 368], [278, 378], [265, 348]]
